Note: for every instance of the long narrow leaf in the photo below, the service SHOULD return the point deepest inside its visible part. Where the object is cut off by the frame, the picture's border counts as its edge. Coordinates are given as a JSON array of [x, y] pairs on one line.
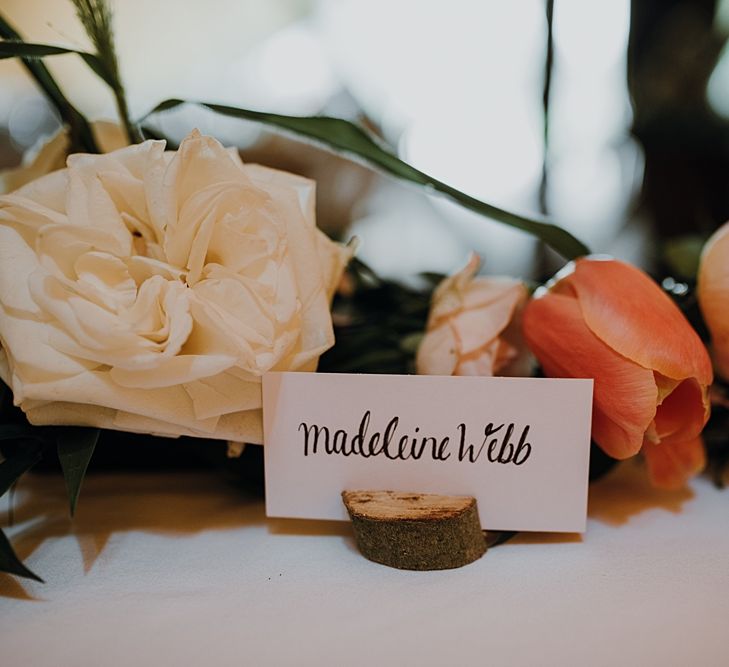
[[75, 448], [10, 563], [16, 49], [23, 459], [81, 135], [96, 17], [342, 136]]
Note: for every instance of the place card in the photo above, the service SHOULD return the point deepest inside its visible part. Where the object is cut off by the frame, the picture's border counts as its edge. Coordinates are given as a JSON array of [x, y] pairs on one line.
[[520, 446]]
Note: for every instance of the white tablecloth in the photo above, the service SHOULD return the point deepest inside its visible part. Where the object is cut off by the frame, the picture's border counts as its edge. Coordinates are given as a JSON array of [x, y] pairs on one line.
[[182, 569]]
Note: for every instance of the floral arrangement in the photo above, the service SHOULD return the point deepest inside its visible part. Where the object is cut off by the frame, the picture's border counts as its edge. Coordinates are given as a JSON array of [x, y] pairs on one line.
[[147, 290]]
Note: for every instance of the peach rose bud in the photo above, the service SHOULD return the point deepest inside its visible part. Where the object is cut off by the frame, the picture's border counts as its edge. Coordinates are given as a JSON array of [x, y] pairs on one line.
[[474, 328], [609, 321]]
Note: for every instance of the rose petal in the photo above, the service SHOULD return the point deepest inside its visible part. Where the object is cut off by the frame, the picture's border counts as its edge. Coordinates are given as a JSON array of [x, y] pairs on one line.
[[17, 262], [178, 370], [482, 321], [467, 317], [244, 426], [437, 353], [222, 394], [316, 326], [27, 216], [166, 284], [448, 295], [41, 159], [305, 188], [96, 388], [333, 259], [481, 362]]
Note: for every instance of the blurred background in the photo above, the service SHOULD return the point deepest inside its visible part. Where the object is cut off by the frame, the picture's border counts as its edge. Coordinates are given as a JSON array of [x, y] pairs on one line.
[[607, 116]]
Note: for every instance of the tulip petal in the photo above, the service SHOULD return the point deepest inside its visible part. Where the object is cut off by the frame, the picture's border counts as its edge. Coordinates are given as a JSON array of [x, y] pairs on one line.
[[612, 437], [665, 386], [631, 314], [670, 465], [624, 394], [713, 293], [683, 413]]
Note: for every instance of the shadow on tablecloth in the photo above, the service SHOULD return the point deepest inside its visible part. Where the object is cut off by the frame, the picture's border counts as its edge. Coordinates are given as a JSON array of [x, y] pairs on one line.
[[626, 492], [162, 503], [187, 503], [623, 493], [173, 504]]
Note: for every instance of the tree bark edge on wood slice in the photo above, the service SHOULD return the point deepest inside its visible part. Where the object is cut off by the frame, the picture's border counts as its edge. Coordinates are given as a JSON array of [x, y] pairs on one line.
[[416, 531]]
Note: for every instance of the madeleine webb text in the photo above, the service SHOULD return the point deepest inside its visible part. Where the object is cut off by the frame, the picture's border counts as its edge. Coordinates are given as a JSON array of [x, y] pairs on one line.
[[498, 444]]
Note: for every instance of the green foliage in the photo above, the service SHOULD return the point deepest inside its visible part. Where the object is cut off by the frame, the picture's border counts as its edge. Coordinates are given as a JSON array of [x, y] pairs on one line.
[[19, 49], [377, 327], [354, 141], [23, 445], [21, 453], [96, 18], [23, 459], [95, 15], [75, 449], [334, 133], [79, 129], [10, 563], [682, 255]]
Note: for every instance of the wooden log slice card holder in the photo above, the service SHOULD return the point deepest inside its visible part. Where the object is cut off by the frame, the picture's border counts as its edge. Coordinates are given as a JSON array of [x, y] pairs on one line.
[[416, 531]]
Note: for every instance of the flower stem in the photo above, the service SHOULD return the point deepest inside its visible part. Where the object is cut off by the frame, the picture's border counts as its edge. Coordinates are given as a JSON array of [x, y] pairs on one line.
[[96, 17], [133, 134]]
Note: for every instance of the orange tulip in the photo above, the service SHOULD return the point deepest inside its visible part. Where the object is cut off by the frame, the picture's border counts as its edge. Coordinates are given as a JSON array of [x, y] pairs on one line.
[[713, 293], [609, 321]]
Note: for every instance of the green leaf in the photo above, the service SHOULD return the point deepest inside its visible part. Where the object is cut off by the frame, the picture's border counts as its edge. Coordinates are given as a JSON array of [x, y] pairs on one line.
[[17, 49], [75, 447], [683, 255], [81, 135], [19, 463], [11, 564], [342, 136], [96, 18]]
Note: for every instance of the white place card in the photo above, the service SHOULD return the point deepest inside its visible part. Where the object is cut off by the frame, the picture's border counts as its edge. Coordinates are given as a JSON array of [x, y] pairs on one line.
[[520, 446]]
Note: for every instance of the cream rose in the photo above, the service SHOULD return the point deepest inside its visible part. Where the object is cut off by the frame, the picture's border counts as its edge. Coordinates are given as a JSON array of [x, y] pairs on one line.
[[474, 327], [145, 290]]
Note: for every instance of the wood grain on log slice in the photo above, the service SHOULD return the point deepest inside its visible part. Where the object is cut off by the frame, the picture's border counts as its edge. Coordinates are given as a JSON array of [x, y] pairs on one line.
[[415, 531]]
